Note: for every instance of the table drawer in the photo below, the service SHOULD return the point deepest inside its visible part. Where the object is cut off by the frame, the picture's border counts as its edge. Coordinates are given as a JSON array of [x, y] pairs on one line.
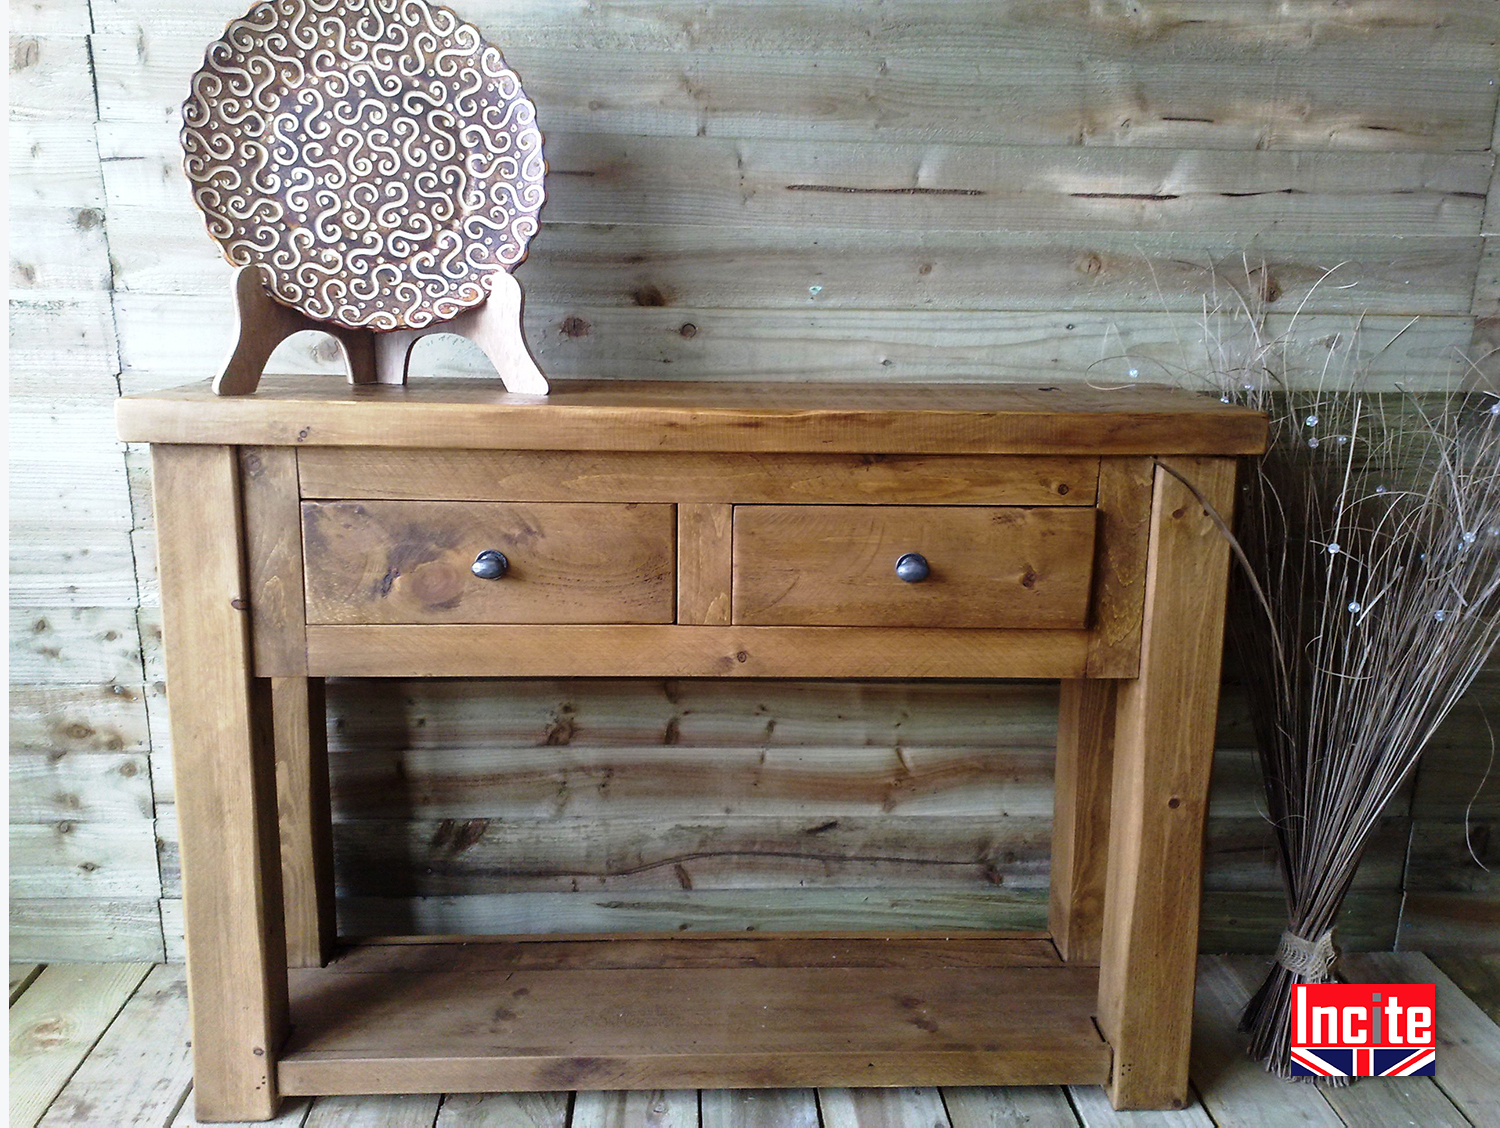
[[834, 565], [409, 562]]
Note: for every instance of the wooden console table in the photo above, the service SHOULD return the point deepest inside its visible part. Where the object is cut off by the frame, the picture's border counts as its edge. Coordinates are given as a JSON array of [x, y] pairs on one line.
[[447, 528]]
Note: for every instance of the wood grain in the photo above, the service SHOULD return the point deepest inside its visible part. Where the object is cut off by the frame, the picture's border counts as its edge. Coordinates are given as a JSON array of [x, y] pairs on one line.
[[273, 556], [1030, 1107], [561, 1028], [442, 650], [409, 561], [882, 1108], [759, 1108], [148, 1043], [693, 478], [161, 344], [1080, 825], [705, 538], [650, 1108], [55, 1024], [226, 786], [1120, 566], [1164, 731], [821, 565], [22, 975], [304, 824], [941, 186], [601, 415], [773, 267], [504, 1110], [1151, 80], [626, 953]]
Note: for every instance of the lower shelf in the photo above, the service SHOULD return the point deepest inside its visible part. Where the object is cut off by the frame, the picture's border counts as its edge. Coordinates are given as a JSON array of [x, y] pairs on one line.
[[689, 1013]]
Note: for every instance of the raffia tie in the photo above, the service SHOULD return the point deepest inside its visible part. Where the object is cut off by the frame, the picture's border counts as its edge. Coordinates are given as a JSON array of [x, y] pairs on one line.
[[1311, 959]]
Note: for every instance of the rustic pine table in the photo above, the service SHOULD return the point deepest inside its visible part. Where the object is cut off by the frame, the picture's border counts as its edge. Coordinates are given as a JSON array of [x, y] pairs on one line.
[[448, 529]]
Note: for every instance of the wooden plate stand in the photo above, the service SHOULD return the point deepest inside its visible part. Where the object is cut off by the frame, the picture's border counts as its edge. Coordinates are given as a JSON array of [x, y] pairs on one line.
[[262, 323]]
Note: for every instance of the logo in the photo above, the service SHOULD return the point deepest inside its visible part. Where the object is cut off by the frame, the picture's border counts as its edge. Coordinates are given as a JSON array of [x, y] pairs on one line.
[[1363, 1030]]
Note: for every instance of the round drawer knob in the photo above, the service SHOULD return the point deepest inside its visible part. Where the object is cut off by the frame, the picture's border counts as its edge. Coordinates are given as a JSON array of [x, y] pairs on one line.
[[490, 565], [912, 568]]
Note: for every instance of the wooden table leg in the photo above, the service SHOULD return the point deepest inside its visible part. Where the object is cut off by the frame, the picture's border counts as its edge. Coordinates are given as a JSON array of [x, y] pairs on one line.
[[226, 797], [1164, 739], [298, 719], [1080, 822]]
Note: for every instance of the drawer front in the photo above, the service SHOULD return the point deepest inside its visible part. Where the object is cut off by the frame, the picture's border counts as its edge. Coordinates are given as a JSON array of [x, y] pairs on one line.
[[835, 565], [409, 562]]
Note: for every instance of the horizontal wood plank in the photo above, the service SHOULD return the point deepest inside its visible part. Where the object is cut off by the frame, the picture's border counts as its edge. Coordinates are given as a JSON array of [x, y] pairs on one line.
[[99, 787], [87, 929], [108, 860], [689, 1026], [693, 416], [925, 71], [855, 185], [645, 953], [772, 267], [688, 477], [56, 720], [433, 650], [626, 855], [172, 340]]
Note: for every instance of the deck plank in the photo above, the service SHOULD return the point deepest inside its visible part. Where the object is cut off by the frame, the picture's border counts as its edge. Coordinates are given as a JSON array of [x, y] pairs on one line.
[[640, 1108], [55, 1024], [148, 1043], [1094, 1111], [759, 1108], [1477, 976], [406, 1111], [504, 1110], [293, 1114], [1468, 1041], [21, 977], [882, 1108], [1233, 1088], [1392, 1102], [1024, 1106]]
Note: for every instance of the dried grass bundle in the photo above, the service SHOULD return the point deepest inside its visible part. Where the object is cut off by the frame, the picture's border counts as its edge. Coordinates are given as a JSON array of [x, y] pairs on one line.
[[1368, 599]]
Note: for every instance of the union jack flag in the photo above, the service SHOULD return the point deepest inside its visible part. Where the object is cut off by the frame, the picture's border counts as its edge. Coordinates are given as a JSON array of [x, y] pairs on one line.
[[1363, 1030], [1323, 1062]]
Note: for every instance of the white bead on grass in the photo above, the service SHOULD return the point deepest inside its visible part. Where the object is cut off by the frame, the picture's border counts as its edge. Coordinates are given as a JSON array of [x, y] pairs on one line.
[[1354, 607], [1133, 373], [1440, 615], [1334, 548], [1312, 420]]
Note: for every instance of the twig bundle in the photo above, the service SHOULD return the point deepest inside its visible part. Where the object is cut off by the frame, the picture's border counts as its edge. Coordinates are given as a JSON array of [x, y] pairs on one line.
[[1368, 600]]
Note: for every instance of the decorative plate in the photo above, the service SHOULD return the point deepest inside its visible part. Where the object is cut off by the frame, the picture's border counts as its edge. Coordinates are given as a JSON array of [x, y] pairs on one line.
[[376, 157]]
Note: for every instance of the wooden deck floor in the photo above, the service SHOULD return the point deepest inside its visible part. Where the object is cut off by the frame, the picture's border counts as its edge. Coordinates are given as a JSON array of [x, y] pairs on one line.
[[106, 1045]]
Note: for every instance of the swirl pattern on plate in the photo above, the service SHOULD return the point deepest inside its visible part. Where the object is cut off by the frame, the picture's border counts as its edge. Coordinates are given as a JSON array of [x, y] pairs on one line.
[[376, 157]]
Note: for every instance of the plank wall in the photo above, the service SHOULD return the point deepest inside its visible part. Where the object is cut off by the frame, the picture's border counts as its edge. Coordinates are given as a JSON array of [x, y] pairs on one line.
[[912, 190]]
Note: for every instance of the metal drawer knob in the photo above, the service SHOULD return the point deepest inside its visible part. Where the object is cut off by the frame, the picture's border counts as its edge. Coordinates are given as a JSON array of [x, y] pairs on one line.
[[491, 565], [912, 568]]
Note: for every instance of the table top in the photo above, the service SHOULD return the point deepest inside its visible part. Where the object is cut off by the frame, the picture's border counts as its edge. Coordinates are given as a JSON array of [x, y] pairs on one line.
[[477, 414]]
